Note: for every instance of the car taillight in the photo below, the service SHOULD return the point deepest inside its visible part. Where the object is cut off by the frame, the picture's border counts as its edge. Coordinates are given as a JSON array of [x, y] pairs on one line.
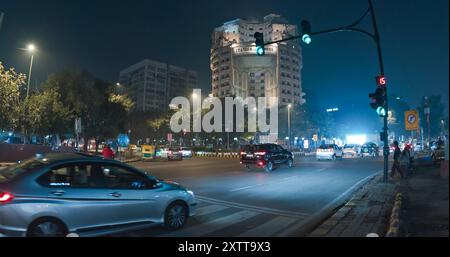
[[260, 153], [5, 197], [260, 164], [242, 153]]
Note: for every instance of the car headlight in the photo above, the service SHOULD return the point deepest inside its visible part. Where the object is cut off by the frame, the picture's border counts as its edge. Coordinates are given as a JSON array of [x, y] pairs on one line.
[[190, 192]]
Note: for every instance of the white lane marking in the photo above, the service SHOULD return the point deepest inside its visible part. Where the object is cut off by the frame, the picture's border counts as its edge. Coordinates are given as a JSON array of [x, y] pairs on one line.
[[290, 177], [267, 229], [247, 187], [209, 209], [211, 226], [292, 214]]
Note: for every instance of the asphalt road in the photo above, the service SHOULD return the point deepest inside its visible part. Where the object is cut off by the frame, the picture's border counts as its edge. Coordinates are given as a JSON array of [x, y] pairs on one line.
[[234, 201]]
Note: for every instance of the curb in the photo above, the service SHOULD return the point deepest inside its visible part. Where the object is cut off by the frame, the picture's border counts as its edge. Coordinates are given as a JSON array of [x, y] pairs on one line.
[[308, 226], [6, 164], [235, 155], [218, 155], [394, 223]]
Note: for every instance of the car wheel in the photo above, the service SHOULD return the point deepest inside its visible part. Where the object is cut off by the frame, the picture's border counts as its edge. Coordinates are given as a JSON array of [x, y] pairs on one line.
[[433, 157], [334, 157], [175, 216], [247, 167], [290, 163], [269, 166], [47, 228]]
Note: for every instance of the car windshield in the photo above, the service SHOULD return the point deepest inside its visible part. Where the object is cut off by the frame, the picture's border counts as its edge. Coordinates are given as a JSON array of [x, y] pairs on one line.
[[326, 146], [253, 148], [349, 146], [17, 169]]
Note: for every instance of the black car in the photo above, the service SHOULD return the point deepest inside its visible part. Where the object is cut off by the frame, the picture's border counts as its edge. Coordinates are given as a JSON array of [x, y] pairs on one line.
[[369, 149], [266, 156]]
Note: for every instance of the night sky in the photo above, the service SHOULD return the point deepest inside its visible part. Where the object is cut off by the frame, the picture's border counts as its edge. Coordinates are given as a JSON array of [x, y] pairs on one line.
[[104, 37]]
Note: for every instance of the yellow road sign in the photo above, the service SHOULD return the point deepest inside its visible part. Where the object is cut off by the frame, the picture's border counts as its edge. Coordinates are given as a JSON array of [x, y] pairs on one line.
[[411, 120]]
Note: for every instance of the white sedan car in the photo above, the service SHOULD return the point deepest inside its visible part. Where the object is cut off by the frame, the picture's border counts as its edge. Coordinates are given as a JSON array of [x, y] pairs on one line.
[[329, 152]]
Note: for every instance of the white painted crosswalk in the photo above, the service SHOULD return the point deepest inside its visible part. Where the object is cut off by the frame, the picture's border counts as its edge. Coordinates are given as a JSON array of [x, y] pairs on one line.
[[221, 218]]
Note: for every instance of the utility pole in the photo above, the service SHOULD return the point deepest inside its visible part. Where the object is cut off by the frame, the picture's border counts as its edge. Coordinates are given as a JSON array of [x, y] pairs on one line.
[[2, 16], [426, 111]]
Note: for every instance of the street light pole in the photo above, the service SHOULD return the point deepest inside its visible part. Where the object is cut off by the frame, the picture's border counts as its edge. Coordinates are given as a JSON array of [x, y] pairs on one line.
[[31, 48], [29, 75], [289, 124]]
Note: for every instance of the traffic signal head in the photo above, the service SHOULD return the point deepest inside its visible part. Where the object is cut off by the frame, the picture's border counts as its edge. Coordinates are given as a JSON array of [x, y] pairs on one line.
[[259, 41], [306, 31], [378, 101]]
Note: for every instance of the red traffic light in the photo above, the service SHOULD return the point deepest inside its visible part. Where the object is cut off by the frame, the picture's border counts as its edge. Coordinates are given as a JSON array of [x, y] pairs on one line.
[[381, 81]]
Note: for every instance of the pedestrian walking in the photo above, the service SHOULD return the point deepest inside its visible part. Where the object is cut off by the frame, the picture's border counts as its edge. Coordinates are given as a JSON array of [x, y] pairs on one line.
[[396, 165]]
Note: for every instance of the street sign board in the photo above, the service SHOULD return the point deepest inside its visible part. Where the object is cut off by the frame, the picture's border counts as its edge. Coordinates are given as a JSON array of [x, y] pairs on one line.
[[411, 120], [78, 126]]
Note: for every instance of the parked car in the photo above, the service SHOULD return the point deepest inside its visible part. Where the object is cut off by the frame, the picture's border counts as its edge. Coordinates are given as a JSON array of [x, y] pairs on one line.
[[369, 149], [350, 150], [266, 156], [437, 150], [61, 193], [329, 152], [186, 152]]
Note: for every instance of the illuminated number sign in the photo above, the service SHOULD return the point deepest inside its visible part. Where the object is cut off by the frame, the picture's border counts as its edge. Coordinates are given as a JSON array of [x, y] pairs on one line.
[[381, 81]]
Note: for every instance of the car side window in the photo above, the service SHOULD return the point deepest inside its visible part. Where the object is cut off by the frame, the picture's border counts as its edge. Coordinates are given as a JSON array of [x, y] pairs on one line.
[[68, 175], [118, 177]]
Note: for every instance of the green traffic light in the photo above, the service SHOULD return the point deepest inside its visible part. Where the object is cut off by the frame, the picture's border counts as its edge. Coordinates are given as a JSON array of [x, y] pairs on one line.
[[260, 51], [381, 111], [306, 39]]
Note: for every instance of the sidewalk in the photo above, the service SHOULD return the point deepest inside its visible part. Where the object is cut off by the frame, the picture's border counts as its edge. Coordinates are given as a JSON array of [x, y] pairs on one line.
[[367, 212], [426, 205]]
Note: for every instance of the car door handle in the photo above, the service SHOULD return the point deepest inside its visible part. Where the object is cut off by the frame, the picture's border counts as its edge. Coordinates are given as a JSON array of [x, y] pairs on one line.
[[58, 192], [115, 194]]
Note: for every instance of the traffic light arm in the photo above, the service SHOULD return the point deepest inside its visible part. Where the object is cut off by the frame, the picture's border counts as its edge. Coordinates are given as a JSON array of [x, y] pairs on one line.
[[351, 27], [376, 37]]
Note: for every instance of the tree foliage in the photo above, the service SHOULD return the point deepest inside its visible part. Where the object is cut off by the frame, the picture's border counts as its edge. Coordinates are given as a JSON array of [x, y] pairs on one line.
[[10, 84]]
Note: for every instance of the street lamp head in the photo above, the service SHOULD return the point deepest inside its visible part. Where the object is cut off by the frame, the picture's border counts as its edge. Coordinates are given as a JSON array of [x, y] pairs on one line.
[[289, 106], [31, 48]]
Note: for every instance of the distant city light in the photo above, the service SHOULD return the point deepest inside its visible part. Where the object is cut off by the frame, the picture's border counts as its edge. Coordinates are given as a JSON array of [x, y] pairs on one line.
[[356, 139], [333, 110]]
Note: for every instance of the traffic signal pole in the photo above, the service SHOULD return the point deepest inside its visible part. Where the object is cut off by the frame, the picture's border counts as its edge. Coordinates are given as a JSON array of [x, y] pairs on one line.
[[376, 37], [385, 120]]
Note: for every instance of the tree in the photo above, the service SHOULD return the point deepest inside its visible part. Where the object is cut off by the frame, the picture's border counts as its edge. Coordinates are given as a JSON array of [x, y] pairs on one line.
[[10, 84], [103, 114], [44, 114]]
